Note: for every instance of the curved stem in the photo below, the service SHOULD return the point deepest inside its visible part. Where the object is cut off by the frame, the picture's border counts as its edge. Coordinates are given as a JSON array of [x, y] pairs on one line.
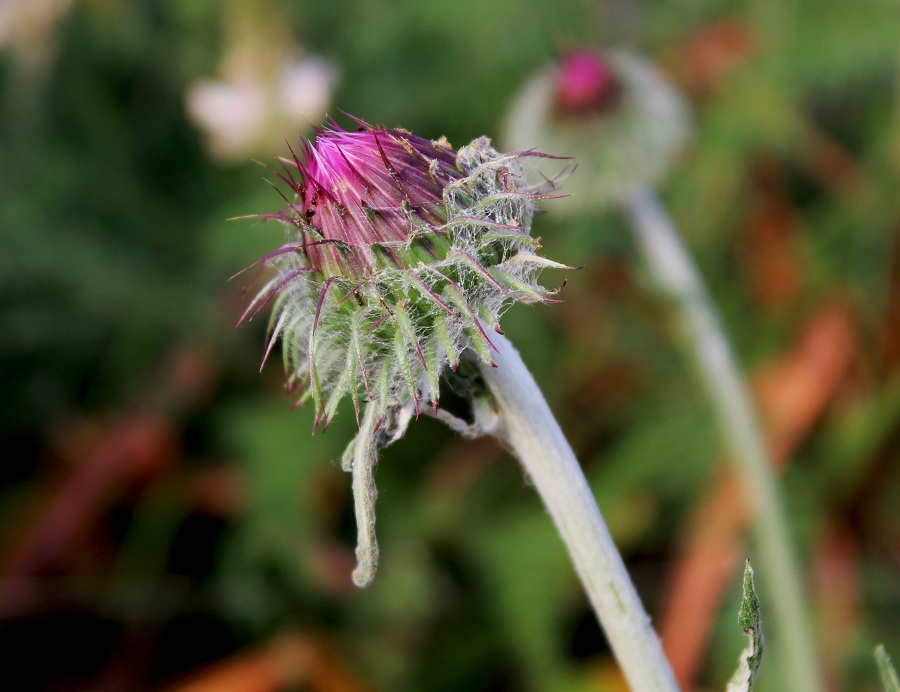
[[779, 575], [530, 429], [360, 459]]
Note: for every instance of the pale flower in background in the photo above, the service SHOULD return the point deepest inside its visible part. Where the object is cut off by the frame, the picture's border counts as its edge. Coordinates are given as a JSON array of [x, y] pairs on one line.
[[250, 111], [26, 26], [232, 114], [306, 88]]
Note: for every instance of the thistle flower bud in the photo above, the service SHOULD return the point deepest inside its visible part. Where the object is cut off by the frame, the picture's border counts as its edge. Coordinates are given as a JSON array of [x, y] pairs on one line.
[[585, 83], [400, 250], [620, 116]]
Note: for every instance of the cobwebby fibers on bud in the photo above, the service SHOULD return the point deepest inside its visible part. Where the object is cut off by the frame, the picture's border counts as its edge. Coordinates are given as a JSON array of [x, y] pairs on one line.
[[614, 110], [401, 255]]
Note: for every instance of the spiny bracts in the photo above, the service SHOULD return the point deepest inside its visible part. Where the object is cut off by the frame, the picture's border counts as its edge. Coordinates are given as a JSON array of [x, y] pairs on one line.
[[400, 252]]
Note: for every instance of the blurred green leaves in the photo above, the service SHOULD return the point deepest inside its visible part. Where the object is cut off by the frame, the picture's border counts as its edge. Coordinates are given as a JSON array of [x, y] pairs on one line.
[[114, 250]]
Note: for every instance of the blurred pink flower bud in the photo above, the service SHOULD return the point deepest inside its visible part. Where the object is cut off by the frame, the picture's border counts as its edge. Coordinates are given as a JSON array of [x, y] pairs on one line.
[[585, 82]]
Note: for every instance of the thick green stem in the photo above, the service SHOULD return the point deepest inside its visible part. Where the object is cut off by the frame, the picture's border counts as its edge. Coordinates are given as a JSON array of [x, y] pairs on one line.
[[673, 269], [529, 428]]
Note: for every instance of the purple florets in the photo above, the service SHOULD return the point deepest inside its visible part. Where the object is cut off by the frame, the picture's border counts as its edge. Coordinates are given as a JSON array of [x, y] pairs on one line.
[[369, 186]]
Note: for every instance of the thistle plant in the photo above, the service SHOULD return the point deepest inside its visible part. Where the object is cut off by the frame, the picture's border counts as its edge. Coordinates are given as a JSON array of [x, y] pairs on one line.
[[629, 125], [401, 255]]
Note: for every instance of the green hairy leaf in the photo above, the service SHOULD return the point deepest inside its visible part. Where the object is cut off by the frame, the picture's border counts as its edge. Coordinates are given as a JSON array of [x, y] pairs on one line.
[[748, 617]]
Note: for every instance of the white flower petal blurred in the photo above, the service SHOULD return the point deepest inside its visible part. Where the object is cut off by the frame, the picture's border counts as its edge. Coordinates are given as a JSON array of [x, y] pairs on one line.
[[306, 87], [26, 26], [232, 114], [251, 111]]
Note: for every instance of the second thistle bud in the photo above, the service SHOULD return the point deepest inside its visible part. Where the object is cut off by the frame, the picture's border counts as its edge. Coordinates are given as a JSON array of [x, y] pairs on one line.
[[585, 83], [615, 110], [399, 251]]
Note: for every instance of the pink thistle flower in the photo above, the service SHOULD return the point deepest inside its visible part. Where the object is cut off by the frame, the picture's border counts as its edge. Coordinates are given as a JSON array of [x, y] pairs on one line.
[[400, 252], [585, 82], [365, 187]]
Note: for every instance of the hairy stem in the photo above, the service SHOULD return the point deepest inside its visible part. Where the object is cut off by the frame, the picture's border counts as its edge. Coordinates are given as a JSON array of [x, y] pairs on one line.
[[673, 269], [360, 459], [529, 428]]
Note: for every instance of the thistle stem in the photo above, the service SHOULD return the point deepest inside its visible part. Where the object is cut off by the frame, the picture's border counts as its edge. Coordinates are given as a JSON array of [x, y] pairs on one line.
[[673, 269], [529, 428]]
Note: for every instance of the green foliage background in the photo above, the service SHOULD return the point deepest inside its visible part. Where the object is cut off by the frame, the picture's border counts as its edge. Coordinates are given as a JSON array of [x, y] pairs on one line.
[[115, 307]]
